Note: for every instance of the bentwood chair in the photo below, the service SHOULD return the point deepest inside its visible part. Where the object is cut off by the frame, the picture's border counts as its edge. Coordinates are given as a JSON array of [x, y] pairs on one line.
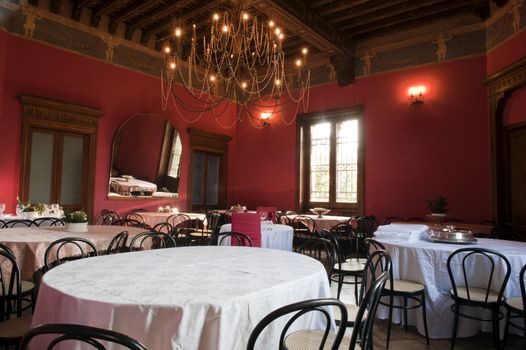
[[325, 339], [320, 249], [28, 290], [130, 223], [18, 223], [234, 238], [107, 217], [404, 289], [136, 216], [152, 240], [304, 228], [485, 291], [516, 310], [97, 338], [13, 324], [118, 243], [67, 249], [48, 222]]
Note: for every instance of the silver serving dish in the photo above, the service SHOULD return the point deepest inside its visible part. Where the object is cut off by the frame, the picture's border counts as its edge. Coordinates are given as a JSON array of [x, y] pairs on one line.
[[452, 236]]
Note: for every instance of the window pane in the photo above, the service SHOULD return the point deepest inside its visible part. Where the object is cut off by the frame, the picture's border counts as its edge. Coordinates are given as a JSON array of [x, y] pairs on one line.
[[41, 167], [72, 161], [347, 162], [212, 186], [175, 157], [320, 149], [198, 170]]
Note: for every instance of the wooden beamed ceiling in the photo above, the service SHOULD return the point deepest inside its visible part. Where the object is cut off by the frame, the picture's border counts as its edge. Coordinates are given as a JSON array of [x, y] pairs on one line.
[[328, 27]]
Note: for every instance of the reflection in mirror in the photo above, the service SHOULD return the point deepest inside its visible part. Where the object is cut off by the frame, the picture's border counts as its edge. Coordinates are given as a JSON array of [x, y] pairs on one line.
[[145, 158]]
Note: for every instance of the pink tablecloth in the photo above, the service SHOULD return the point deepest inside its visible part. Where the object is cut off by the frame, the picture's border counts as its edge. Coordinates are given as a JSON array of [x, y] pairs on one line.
[[152, 218], [30, 243], [323, 223]]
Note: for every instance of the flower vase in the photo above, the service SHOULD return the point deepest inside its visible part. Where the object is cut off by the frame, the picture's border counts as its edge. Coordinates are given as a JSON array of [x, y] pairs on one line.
[[76, 226]]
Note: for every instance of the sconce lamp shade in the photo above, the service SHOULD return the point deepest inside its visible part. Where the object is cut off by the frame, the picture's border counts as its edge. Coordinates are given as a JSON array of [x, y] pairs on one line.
[[416, 94]]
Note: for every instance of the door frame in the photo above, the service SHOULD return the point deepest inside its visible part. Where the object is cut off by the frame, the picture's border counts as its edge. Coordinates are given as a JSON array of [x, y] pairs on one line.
[[210, 143], [43, 113], [501, 86]]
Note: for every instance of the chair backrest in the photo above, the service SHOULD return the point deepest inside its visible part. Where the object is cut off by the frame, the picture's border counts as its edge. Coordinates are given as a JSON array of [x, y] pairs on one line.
[[67, 249], [107, 217], [134, 215], [302, 308], [2, 223], [377, 263], [176, 219], [364, 334], [151, 240], [6, 248], [10, 282], [343, 238], [391, 219], [271, 213], [163, 227], [48, 222], [462, 260], [95, 337], [249, 224], [118, 243], [129, 223], [235, 238], [18, 223], [215, 220], [366, 225], [320, 249], [523, 288]]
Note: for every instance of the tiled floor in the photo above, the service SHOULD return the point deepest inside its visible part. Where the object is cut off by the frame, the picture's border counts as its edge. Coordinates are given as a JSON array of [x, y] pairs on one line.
[[412, 340]]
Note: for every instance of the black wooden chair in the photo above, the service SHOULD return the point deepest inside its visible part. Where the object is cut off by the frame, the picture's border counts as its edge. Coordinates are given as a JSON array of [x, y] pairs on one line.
[[235, 239], [487, 293], [18, 223], [136, 216], [163, 227], [107, 217], [130, 223], [327, 339], [118, 243], [13, 323], [28, 290], [67, 249], [401, 288], [390, 219], [516, 310], [48, 222], [97, 338], [320, 249], [151, 240], [304, 228]]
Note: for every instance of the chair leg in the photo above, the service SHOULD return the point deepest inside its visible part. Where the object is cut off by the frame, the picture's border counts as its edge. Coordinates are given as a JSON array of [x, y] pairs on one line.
[[340, 284], [496, 328], [390, 319], [455, 324], [424, 315], [405, 313]]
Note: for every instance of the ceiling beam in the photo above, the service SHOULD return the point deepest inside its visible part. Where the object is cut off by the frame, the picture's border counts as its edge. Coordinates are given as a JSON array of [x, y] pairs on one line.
[[130, 12], [108, 7], [54, 6], [372, 7], [78, 6]]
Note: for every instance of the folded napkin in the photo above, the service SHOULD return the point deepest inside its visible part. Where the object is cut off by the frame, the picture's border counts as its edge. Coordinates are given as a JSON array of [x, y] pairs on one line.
[[401, 232]]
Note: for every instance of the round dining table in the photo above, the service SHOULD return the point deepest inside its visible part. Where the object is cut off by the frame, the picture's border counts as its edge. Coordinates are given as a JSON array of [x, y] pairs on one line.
[[29, 244], [207, 297], [273, 236], [425, 262], [325, 222], [152, 218]]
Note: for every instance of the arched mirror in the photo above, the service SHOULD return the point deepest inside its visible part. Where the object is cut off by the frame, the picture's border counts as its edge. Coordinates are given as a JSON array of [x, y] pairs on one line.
[[145, 158]]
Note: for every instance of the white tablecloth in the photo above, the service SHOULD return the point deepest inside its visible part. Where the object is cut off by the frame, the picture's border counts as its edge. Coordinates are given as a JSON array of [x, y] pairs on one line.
[[30, 243], [182, 298], [426, 262], [272, 236], [152, 218], [326, 222]]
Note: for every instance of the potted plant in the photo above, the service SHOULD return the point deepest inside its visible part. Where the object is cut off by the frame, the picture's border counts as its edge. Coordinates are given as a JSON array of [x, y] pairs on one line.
[[32, 211], [76, 221], [437, 206]]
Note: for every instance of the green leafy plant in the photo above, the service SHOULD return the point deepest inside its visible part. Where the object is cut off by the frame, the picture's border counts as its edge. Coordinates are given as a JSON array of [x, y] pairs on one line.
[[74, 217], [29, 208], [437, 205]]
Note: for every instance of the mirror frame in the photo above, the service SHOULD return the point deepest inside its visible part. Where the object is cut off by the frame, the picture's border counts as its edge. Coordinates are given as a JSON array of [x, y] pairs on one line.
[[163, 163]]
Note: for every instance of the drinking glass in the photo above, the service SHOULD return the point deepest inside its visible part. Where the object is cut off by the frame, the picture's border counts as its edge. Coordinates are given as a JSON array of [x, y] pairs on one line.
[[2, 209]]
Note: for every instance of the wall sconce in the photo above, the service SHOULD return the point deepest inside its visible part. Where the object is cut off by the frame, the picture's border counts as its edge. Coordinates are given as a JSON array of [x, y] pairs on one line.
[[416, 94], [265, 117]]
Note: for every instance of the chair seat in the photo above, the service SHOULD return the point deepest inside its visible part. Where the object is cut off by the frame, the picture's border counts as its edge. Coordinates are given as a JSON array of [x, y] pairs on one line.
[[27, 287], [362, 261], [352, 266], [15, 327], [352, 311], [476, 294], [200, 234], [515, 303], [310, 339], [404, 286]]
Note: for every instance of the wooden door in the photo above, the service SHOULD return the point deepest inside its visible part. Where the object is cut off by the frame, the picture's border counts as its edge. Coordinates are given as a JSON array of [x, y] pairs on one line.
[[517, 180]]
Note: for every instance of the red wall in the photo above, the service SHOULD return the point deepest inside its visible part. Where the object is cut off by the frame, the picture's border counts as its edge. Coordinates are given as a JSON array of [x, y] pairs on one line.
[[412, 153], [37, 69], [515, 108], [506, 53]]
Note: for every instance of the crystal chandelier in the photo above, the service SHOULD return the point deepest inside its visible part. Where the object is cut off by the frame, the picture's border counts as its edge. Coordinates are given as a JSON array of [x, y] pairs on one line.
[[238, 59]]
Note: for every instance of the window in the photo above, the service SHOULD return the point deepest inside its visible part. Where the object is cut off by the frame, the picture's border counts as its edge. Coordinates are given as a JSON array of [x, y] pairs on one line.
[[170, 160], [331, 161], [175, 157]]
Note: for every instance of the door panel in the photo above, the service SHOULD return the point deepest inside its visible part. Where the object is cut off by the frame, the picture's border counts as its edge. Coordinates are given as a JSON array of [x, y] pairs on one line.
[[212, 183], [41, 167], [73, 170], [518, 180], [198, 175]]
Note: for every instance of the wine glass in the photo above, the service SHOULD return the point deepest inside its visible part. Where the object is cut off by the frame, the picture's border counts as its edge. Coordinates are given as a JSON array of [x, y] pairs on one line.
[[263, 215], [2, 209]]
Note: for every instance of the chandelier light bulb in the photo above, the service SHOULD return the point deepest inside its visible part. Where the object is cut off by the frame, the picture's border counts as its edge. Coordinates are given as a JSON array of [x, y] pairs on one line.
[[281, 36], [304, 51], [245, 16], [298, 63], [271, 24], [244, 85], [167, 49], [212, 78], [215, 17], [278, 31], [172, 65], [225, 28], [277, 82], [178, 32]]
